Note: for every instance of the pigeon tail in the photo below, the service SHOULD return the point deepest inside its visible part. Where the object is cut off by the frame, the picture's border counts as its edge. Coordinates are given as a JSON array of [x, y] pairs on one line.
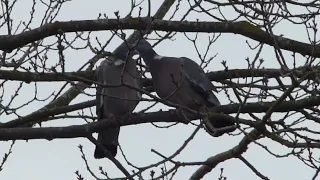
[[99, 154], [109, 140]]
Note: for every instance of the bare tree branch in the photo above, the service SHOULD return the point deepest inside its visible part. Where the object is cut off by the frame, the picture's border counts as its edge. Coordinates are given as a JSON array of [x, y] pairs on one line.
[[281, 105], [87, 76], [171, 115], [10, 42], [221, 157]]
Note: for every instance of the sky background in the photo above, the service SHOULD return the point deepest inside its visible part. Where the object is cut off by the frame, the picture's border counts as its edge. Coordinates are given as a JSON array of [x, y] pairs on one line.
[[59, 159]]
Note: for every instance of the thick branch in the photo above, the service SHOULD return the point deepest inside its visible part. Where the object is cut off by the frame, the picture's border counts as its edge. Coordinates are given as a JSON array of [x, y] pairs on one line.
[[50, 133], [28, 77], [10, 42], [170, 116], [87, 76]]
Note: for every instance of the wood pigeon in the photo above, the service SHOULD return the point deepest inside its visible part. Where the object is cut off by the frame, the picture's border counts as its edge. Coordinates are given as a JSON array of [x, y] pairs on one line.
[[183, 82], [115, 102]]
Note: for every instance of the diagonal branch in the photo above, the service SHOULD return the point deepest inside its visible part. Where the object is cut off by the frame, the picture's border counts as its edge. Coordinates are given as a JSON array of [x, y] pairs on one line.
[[212, 162], [252, 168], [39, 116]]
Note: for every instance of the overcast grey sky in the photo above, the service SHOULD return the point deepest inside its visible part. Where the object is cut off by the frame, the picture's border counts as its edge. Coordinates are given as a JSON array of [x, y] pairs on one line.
[[59, 159]]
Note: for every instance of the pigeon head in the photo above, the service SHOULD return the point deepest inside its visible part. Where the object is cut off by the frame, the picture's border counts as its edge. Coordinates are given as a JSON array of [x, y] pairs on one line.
[[145, 49]]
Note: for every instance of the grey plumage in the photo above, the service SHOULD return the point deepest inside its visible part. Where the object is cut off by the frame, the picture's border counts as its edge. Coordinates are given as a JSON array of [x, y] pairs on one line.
[[181, 81], [114, 102]]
